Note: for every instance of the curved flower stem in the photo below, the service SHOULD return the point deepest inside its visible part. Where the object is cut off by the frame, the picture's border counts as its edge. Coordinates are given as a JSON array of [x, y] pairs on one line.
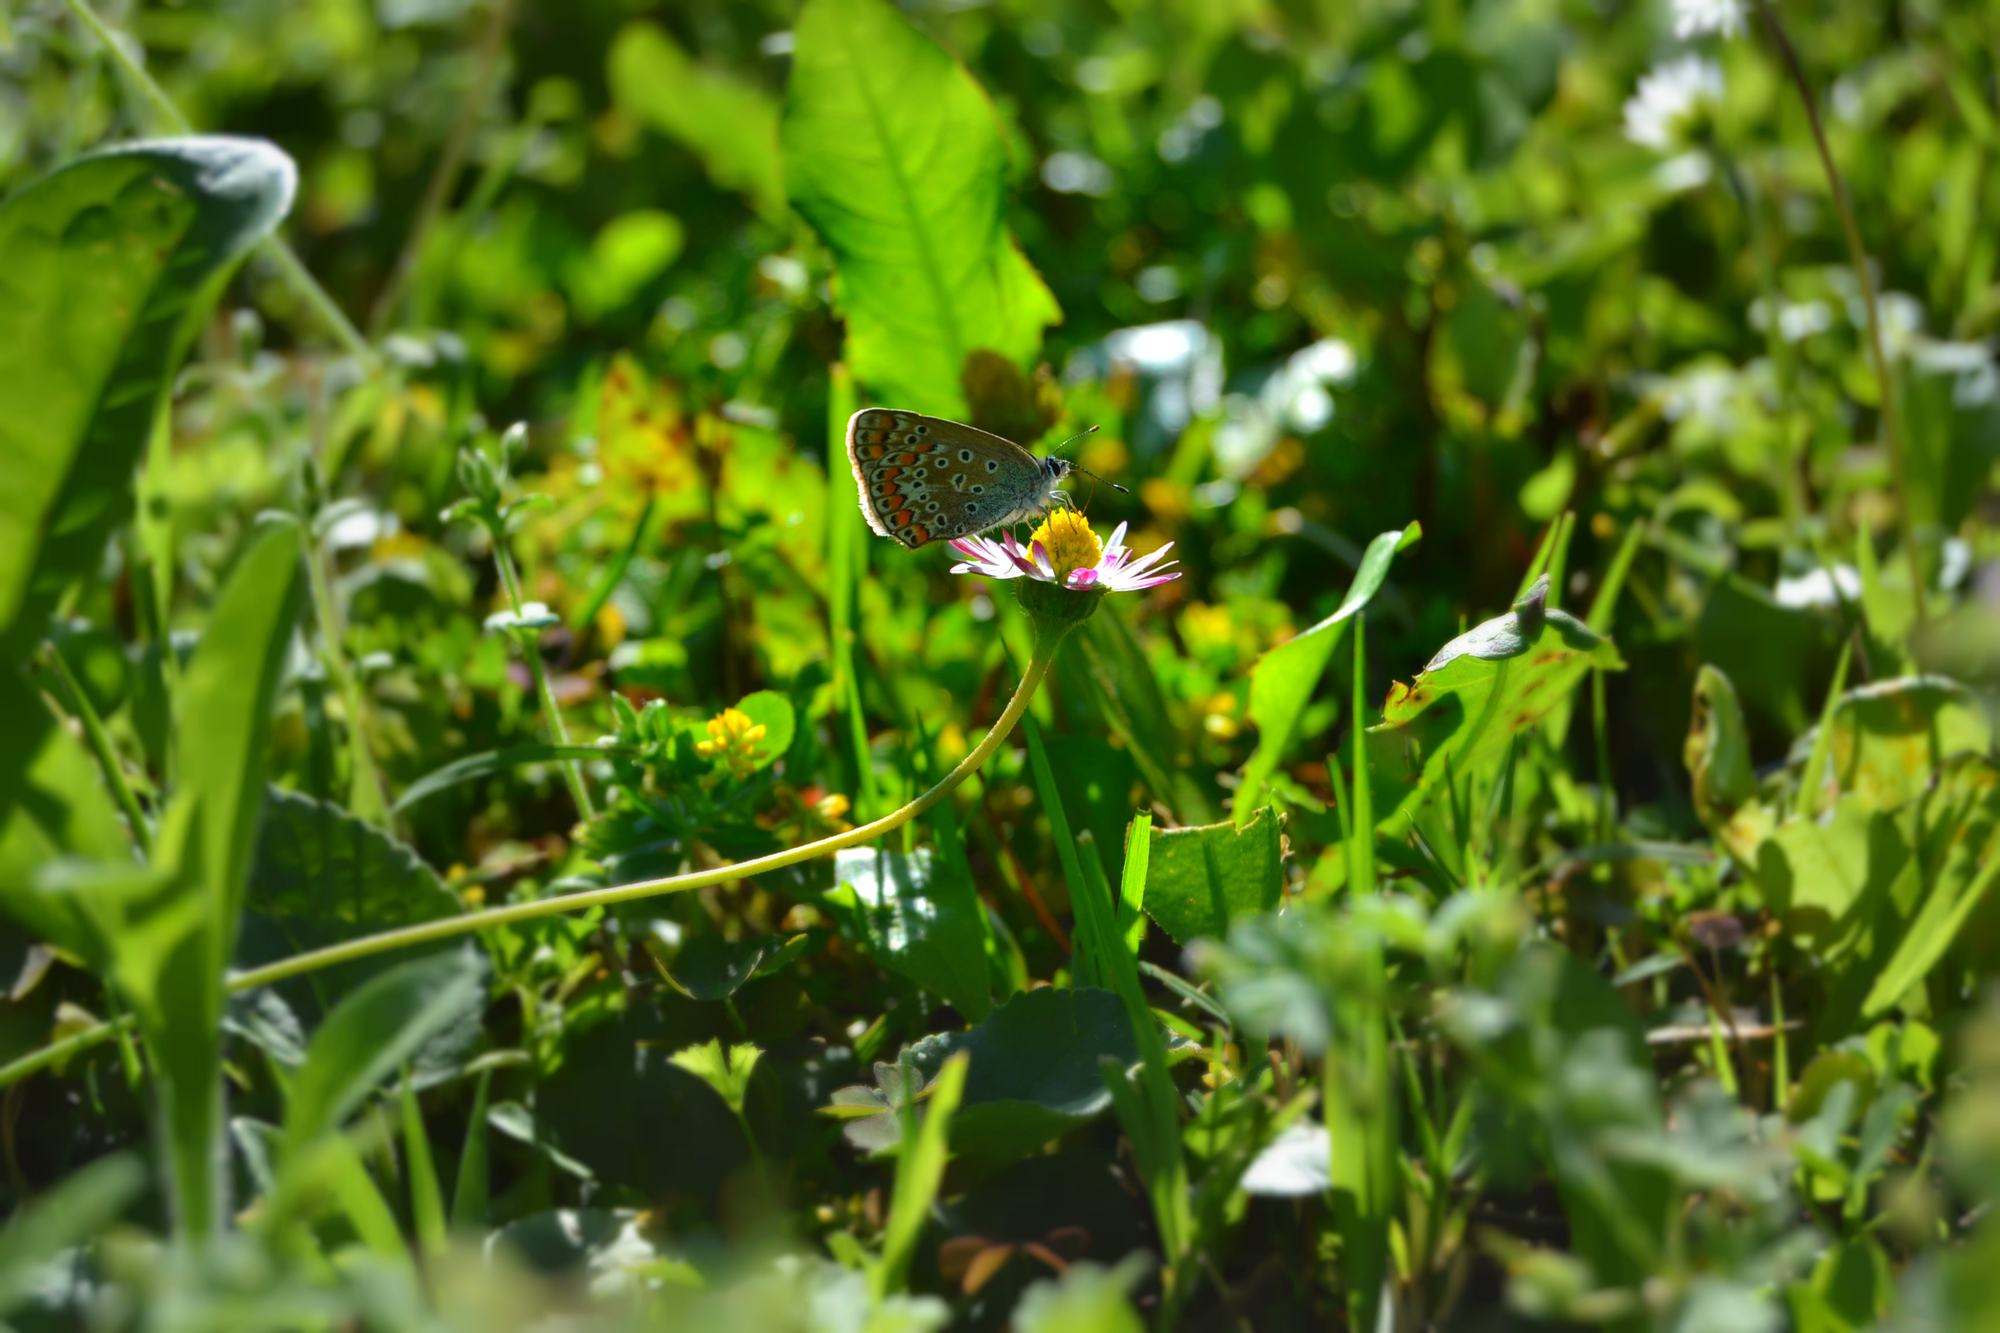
[[432, 931], [1843, 207]]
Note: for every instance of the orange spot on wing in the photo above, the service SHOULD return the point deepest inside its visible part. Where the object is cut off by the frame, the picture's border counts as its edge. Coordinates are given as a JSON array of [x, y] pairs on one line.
[[904, 459], [919, 535], [888, 474], [902, 518], [872, 451]]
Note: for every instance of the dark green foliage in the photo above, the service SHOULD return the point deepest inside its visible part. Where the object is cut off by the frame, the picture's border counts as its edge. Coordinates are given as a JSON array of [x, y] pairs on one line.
[[1583, 917]]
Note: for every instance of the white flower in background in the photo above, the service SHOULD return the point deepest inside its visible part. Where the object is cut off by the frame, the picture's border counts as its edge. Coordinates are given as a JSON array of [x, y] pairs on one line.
[[1698, 18], [1671, 100]]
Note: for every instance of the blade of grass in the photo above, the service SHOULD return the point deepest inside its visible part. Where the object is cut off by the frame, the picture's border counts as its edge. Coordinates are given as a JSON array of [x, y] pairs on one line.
[[1086, 934], [1361, 830], [614, 574], [918, 1172], [426, 1198], [1809, 781], [469, 1193], [1132, 890]]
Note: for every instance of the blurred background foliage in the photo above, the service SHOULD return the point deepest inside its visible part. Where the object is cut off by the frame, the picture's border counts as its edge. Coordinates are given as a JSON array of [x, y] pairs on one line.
[[1538, 275]]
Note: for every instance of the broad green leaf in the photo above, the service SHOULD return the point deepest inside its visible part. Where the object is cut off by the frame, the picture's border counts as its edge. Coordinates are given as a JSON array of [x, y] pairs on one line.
[[1891, 735], [725, 1068], [323, 876], [621, 1107], [896, 157], [773, 712], [1034, 1074], [1284, 679], [1086, 1298], [476, 766], [1491, 682], [1813, 871], [732, 126], [107, 267], [1967, 808], [917, 917], [1199, 879], [709, 967], [371, 1032]]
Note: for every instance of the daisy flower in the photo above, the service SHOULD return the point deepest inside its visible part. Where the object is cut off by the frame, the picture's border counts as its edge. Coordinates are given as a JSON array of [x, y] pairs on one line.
[[1671, 101], [1064, 551], [1698, 18]]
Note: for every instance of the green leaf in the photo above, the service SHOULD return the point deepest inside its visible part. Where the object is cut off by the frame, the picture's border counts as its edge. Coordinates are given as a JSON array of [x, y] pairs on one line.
[[709, 967], [1969, 793], [169, 942], [628, 252], [772, 711], [373, 1031], [1491, 682], [107, 267], [917, 917], [1199, 879], [727, 1069], [323, 876], [1034, 1073], [426, 1196], [620, 1106], [895, 156], [1087, 1298], [732, 126], [471, 1190], [225, 699], [1889, 736], [53, 804], [476, 766], [1284, 679]]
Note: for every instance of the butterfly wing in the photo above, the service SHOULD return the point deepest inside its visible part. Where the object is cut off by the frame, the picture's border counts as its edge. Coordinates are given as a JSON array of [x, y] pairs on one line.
[[925, 479]]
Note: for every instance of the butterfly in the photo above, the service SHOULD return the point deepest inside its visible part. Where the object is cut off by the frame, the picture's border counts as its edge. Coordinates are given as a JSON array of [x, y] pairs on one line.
[[925, 479]]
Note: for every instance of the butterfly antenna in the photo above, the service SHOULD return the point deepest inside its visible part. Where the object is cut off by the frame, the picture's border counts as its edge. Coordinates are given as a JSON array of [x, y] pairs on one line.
[[1074, 438], [1084, 470], [1094, 477]]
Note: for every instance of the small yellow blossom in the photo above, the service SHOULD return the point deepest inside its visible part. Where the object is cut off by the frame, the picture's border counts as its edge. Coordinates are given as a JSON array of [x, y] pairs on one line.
[[732, 738]]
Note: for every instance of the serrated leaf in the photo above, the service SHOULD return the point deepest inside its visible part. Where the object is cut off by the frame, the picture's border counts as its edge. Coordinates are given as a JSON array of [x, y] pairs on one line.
[[1199, 879]]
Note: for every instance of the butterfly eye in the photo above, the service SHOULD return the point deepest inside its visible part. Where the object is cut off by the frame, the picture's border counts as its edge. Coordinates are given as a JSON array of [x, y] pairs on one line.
[[965, 456]]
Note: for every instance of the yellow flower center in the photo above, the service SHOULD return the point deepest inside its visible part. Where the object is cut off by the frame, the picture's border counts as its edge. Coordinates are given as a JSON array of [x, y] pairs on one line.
[[1071, 545]]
